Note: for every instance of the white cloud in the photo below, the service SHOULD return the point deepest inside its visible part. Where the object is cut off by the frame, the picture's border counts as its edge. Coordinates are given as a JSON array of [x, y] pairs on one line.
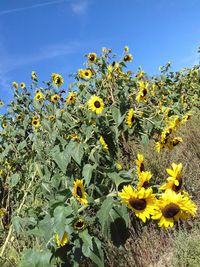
[[80, 7]]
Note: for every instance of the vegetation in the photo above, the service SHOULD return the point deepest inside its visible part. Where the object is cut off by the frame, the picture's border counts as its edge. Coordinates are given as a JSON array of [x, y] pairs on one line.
[[107, 165]]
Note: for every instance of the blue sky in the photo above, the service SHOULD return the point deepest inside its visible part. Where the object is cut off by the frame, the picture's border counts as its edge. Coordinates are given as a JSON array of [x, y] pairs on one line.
[[54, 35]]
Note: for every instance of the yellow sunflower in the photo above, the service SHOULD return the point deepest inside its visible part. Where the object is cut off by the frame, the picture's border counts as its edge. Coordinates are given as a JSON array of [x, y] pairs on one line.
[[103, 143], [141, 202], [57, 79], [19, 117], [15, 85], [119, 166], [95, 104], [71, 98], [22, 85], [92, 57], [79, 192], [144, 178], [130, 119], [63, 241], [4, 125], [79, 224], [174, 181], [36, 122], [34, 76], [104, 50], [52, 117], [55, 98], [126, 48], [38, 96], [171, 207], [139, 163], [140, 74], [85, 74], [143, 90], [128, 58], [1, 103]]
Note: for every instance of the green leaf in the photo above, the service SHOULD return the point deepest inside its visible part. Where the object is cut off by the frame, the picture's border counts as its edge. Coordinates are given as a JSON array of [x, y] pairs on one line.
[[62, 159], [14, 179], [60, 214], [117, 116], [115, 177], [77, 152], [21, 145], [33, 258], [87, 173], [103, 215], [17, 224]]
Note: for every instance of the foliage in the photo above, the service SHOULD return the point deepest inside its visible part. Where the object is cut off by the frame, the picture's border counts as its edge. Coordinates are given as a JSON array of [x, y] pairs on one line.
[[63, 155]]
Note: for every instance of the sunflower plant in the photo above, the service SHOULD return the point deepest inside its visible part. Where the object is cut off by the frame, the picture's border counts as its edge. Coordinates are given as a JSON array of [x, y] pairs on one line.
[[66, 175]]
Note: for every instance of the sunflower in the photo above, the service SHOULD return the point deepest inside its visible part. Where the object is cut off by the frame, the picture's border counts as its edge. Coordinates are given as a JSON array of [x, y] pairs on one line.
[[103, 143], [143, 90], [79, 224], [176, 141], [4, 125], [22, 85], [19, 117], [34, 76], [79, 192], [174, 181], [52, 117], [55, 98], [104, 50], [173, 206], [95, 104], [128, 58], [140, 74], [63, 241], [38, 96], [15, 85], [86, 74], [35, 122], [186, 117], [139, 163], [57, 79], [92, 57], [1, 103], [144, 178], [126, 48], [119, 166], [71, 98], [141, 202], [130, 119]]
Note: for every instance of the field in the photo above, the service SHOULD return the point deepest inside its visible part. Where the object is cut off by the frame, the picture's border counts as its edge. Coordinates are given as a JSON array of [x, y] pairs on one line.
[[105, 172]]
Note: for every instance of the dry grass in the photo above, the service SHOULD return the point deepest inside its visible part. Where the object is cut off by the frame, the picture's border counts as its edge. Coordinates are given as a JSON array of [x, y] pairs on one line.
[[152, 247]]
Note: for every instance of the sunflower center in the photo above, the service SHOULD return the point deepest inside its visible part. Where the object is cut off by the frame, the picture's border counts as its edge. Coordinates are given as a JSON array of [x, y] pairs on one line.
[[170, 210], [35, 122], [55, 98], [138, 204], [79, 224], [144, 92], [141, 167], [132, 119], [92, 57], [145, 184], [86, 73], [126, 58], [58, 80], [97, 104], [176, 188], [79, 192]]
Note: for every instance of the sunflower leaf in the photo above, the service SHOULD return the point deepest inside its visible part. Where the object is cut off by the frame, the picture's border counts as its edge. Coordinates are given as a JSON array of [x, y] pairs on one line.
[[87, 173]]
